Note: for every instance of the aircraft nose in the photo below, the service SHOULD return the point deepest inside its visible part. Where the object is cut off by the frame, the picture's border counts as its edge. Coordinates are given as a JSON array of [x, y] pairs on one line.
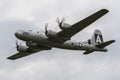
[[18, 33]]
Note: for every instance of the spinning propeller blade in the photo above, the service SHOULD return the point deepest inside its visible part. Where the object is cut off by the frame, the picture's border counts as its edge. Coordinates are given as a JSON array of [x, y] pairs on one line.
[[17, 45], [60, 22], [46, 27]]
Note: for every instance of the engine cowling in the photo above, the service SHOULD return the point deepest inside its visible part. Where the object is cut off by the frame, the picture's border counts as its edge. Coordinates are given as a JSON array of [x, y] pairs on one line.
[[22, 48], [52, 34], [65, 26], [31, 44]]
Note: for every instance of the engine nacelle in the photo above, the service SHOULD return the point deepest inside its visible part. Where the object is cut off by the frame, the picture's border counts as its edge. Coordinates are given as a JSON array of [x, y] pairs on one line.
[[31, 44], [65, 26], [37, 46], [52, 34], [22, 48]]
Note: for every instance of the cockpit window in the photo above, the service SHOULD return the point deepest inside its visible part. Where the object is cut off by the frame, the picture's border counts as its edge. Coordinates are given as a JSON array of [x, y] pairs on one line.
[[25, 33]]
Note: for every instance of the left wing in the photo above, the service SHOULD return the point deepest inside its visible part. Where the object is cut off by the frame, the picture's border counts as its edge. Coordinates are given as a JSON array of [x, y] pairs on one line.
[[75, 28]]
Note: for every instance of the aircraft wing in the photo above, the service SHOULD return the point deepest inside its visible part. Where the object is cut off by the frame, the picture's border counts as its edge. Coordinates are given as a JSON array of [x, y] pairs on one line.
[[20, 55], [75, 28]]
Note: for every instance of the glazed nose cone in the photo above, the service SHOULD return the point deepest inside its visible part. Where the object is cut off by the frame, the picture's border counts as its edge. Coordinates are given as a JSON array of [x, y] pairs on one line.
[[18, 33]]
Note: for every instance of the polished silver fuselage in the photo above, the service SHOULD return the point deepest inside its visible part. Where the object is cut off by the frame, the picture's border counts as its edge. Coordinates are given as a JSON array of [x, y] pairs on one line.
[[41, 39]]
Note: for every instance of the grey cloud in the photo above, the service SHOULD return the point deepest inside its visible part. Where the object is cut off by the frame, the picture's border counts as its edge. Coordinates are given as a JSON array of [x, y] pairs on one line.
[[59, 64]]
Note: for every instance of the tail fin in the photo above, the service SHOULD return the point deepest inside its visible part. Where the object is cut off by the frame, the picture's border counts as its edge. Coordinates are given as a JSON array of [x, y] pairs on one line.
[[97, 38]]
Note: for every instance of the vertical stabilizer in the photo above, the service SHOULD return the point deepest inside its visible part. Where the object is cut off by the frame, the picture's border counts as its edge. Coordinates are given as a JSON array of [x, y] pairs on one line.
[[97, 38]]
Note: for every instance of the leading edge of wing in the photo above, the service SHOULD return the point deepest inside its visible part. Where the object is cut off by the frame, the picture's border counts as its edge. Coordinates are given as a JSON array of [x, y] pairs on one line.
[[89, 20], [19, 55], [75, 28]]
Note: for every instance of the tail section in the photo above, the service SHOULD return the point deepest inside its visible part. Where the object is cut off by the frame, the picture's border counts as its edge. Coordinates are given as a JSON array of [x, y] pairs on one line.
[[104, 44], [97, 38]]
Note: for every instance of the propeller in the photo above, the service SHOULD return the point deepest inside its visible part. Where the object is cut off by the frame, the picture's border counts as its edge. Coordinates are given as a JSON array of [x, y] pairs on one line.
[[60, 22], [17, 45], [46, 27]]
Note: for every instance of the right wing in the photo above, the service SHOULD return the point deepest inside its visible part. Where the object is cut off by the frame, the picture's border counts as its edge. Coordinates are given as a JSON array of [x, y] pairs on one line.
[[75, 28], [29, 52], [20, 55]]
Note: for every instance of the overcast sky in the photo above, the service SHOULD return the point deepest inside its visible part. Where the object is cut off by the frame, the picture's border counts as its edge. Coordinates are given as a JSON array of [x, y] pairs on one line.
[[59, 64]]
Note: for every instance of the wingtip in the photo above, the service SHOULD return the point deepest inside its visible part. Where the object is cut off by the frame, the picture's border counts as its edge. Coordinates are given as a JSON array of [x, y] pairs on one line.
[[113, 40], [10, 58], [105, 10]]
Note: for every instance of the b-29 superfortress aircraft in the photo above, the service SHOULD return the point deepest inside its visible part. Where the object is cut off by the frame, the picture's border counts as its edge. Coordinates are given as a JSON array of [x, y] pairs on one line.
[[39, 41]]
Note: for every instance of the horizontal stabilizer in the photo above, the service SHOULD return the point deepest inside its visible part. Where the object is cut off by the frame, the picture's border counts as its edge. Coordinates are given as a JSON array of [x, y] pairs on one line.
[[104, 44], [88, 52]]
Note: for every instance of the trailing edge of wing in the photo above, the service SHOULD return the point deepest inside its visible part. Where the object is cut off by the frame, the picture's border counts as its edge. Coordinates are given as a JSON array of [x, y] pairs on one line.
[[75, 28]]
